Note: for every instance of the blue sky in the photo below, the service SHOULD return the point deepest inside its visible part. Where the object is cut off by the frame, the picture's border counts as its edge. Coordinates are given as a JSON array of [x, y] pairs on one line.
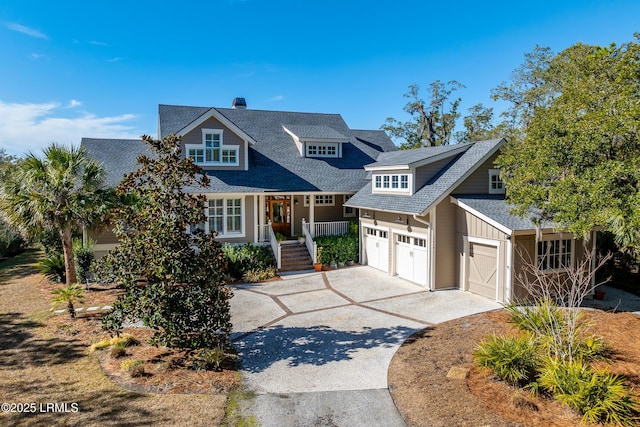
[[100, 69]]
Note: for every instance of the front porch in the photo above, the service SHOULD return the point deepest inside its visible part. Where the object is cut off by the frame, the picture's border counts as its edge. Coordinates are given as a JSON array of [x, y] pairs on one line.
[[285, 214]]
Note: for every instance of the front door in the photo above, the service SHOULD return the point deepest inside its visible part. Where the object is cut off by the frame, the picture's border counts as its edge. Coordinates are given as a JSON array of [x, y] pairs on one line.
[[280, 216]]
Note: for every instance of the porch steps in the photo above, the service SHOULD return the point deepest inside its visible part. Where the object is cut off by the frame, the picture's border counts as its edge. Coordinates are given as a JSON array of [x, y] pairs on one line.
[[295, 257]]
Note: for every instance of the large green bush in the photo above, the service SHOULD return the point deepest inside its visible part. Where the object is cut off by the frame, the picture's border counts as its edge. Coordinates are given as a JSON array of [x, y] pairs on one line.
[[242, 259], [339, 249], [11, 243]]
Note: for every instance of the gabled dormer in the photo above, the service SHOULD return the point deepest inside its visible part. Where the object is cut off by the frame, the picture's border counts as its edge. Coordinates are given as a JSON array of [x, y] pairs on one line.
[[405, 172], [317, 141], [209, 139]]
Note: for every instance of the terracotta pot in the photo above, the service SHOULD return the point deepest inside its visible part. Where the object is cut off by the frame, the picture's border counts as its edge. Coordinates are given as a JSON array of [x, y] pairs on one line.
[[318, 267], [599, 295]]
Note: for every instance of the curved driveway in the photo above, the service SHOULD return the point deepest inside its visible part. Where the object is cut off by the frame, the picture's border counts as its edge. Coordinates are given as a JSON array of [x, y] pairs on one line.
[[316, 347]]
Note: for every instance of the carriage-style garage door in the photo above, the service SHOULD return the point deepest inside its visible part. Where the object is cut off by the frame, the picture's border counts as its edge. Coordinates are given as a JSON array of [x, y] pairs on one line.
[[377, 248], [482, 269], [411, 258]]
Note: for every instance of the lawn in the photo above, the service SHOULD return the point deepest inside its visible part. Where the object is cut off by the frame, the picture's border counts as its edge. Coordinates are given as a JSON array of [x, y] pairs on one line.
[[44, 361]]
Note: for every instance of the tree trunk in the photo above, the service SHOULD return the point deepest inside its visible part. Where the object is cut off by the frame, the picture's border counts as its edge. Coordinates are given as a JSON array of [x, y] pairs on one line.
[[67, 250]]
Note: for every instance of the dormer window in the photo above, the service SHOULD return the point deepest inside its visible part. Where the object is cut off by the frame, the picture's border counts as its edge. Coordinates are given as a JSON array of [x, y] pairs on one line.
[[391, 183], [212, 151], [496, 184], [322, 150]]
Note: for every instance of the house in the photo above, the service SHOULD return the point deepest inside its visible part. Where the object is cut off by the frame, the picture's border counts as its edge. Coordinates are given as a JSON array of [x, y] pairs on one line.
[[435, 216], [438, 217], [269, 171]]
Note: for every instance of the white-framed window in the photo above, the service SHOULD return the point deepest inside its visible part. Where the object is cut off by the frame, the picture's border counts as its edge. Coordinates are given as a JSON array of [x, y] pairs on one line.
[[320, 199], [212, 151], [224, 216], [322, 150], [391, 182], [347, 211], [496, 184], [555, 253]]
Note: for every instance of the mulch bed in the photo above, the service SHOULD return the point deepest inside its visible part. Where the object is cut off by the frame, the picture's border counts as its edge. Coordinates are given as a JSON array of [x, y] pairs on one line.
[[426, 397]]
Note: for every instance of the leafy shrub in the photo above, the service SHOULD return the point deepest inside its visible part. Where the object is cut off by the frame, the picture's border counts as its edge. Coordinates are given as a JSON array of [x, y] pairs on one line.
[[50, 241], [241, 259], [11, 243], [598, 396], [53, 268], [258, 275], [134, 367], [83, 255], [339, 249], [512, 359]]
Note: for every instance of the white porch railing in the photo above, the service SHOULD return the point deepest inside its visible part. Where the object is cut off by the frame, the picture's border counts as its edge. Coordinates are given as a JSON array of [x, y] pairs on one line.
[[263, 232], [275, 246], [312, 247], [332, 228]]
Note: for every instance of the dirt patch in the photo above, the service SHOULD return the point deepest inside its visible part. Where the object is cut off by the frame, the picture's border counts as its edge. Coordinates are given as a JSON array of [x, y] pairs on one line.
[[426, 397]]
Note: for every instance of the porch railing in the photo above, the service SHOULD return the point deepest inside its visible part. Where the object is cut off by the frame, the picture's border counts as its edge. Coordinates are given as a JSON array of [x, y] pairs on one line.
[[312, 247], [332, 228], [275, 246]]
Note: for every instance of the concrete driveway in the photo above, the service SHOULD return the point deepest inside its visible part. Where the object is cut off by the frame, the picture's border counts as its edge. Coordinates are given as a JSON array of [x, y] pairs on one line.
[[316, 347]]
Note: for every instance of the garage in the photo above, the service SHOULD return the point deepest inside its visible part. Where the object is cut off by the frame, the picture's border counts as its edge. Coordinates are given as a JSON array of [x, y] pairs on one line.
[[411, 258], [376, 244], [482, 269]]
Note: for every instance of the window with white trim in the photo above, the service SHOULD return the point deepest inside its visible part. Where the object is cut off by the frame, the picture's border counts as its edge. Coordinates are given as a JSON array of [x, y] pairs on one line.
[[391, 182], [322, 150], [496, 184], [320, 199], [554, 254], [348, 211], [212, 151], [224, 216]]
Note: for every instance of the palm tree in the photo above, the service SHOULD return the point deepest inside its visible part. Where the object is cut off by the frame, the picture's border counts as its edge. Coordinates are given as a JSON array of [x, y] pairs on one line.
[[71, 294], [60, 191]]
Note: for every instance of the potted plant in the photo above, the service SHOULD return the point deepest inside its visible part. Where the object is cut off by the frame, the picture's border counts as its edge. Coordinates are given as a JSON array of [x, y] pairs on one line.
[[318, 265], [300, 238]]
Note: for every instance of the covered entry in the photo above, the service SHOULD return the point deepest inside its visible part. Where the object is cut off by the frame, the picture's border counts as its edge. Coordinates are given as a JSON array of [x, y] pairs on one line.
[[482, 267]]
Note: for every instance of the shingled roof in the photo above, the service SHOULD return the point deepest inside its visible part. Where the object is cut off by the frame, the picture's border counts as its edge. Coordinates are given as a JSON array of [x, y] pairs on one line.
[[441, 185], [275, 164]]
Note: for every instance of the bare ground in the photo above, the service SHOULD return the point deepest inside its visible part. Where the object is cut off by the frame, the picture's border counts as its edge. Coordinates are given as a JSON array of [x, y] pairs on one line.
[[44, 359], [426, 397]]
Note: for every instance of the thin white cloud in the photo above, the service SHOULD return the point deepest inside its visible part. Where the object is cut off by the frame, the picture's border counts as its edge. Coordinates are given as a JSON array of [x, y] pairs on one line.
[[26, 30], [97, 43], [276, 98], [36, 56], [32, 127], [74, 103], [116, 59]]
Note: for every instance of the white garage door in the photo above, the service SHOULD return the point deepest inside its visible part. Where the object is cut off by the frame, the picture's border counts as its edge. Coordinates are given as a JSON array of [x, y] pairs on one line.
[[377, 248], [411, 258], [482, 269]]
